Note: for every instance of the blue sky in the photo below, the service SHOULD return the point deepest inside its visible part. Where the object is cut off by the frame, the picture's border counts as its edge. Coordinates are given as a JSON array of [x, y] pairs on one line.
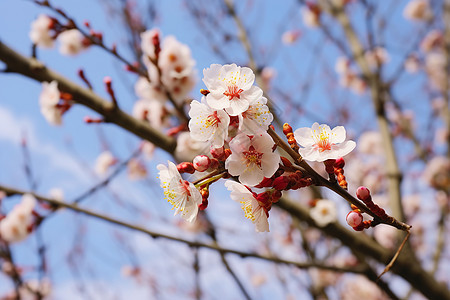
[[64, 156]]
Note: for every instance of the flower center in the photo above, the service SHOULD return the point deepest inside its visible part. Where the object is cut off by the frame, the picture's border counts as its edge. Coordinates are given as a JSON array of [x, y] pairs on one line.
[[233, 91], [253, 156], [247, 208], [323, 142], [212, 120], [185, 187]]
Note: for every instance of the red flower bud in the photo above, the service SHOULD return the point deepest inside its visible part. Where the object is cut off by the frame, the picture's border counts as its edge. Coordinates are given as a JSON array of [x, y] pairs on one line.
[[186, 167]]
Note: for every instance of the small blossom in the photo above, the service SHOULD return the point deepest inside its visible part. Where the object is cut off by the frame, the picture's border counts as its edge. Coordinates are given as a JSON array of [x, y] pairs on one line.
[[231, 88], [417, 10], [311, 16], [15, 226], [290, 37], [149, 110], [148, 39], [149, 90], [251, 207], [187, 147], [208, 124], [377, 56], [412, 64], [136, 169], [183, 195], [359, 287], [437, 172], [256, 118], [104, 161], [148, 149], [321, 143], [252, 158], [324, 212], [40, 32], [370, 142], [434, 39], [57, 194], [71, 42], [342, 65], [48, 101]]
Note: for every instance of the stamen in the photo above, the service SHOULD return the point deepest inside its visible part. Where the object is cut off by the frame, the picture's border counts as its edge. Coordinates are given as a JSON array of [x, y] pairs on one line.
[[233, 92]]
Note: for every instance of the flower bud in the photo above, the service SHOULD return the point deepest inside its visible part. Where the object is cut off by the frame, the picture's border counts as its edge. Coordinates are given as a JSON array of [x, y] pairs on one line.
[[186, 167], [280, 183], [362, 193], [201, 163], [354, 218], [339, 163]]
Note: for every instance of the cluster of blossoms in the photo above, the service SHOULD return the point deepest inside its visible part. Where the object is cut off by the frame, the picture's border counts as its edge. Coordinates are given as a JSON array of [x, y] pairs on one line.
[[17, 224], [45, 30], [233, 118]]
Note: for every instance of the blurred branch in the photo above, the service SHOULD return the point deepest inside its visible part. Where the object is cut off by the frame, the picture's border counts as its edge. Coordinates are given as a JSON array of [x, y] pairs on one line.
[[12, 191], [34, 69]]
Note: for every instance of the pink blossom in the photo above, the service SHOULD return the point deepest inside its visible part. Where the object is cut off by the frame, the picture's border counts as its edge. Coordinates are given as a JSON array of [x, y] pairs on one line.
[[40, 32], [104, 161], [15, 226], [48, 102], [252, 158]]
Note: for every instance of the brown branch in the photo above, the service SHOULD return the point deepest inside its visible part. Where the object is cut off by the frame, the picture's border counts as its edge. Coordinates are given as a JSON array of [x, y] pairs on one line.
[[34, 69], [194, 244]]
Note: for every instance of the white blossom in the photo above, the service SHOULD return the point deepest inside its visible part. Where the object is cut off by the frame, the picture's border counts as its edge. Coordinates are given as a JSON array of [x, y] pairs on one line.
[[251, 207], [149, 110], [252, 158], [104, 161], [147, 42], [187, 147], [256, 118], [71, 42], [48, 102], [321, 143], [15, 226], [324, 212], [208, 124], [231, 88], [417, 10], [40, 32], [310, 18], [289, 37], [149, 90], [183, 195]]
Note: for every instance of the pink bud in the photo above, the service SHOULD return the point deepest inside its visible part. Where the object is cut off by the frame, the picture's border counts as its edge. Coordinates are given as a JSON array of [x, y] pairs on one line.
[[218, 153], [201, 163], [186, 167], [362, 193], [339, 163], [354, 218]]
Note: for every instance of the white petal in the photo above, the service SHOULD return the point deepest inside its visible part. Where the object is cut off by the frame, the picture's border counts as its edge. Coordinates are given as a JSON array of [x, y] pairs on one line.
[[304, 136], [338, 135]]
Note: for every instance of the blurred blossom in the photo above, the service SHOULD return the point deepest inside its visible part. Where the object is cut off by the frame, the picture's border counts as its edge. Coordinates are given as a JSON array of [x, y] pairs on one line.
[[437, 172], [71, 42], [40, 32], [104, 161], [136, 169], [412, 64], [324, 212], [56, 194], [148, 149], [15, 227], [149, 90], [151, 111], [342, 65], [258, 280], [417, 10], [48, 102], [385, 235], [268, 74], [434, 39], [148, 40], [359, 287], [377, 56], [411, 204], [290, 37], [187, 148], [311, 16], [370, 142]]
